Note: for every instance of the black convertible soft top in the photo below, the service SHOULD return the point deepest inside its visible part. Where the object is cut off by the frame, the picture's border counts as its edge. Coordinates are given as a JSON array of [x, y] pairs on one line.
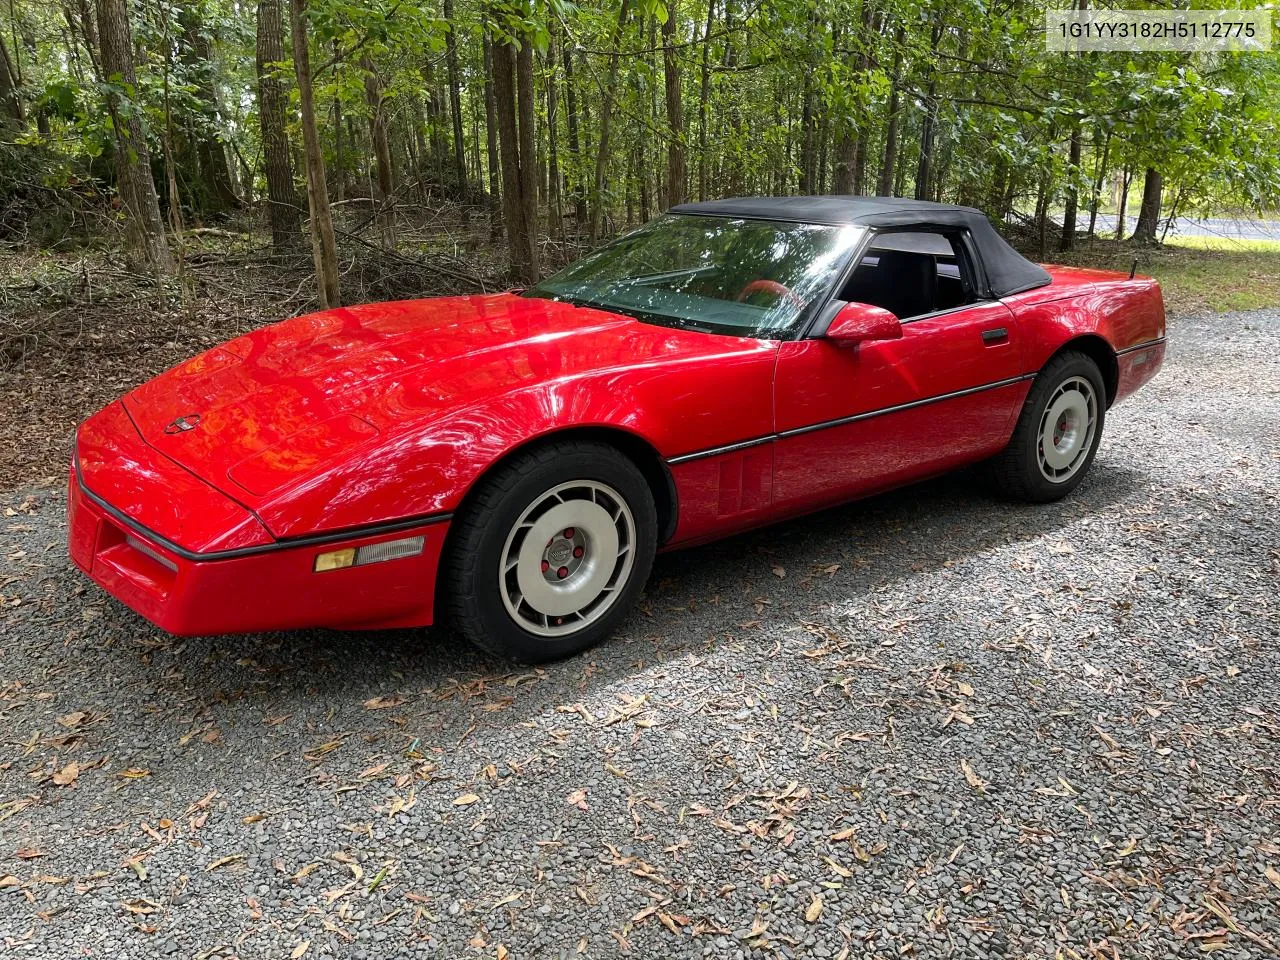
[[1008, 272]]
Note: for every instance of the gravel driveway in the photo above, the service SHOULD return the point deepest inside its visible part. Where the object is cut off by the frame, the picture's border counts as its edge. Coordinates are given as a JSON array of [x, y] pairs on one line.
[[928, 724]]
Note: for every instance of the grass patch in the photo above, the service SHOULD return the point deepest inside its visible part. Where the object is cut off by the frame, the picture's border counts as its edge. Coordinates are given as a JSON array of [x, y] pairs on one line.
[[1196, 273], [1229, 244]]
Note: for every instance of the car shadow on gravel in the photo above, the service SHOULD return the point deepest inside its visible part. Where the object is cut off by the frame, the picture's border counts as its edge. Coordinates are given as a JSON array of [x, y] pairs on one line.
[[749, 585]]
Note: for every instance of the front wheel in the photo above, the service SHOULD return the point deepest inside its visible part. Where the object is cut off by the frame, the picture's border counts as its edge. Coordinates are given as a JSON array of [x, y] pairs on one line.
[[1057, 433], [551, 552]]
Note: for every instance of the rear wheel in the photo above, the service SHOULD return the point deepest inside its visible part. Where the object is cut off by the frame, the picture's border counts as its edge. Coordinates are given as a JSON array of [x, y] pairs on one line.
[[551, 552], [1057, 433]]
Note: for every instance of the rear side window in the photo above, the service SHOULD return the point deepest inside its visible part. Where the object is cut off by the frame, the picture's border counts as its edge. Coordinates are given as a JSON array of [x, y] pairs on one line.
[[912, 273]]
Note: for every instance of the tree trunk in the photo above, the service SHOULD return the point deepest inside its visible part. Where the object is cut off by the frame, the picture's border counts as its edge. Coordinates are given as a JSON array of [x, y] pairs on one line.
[[384, 200], [807, 133], [525, 97], [1042, 217], [846, 146], [851, 154], [1122, 204], [606, 118], [847, 151], [575, 144], [455, 103], [517, 168], [339, 139], [491, 131], [143, 225], [215, 195], [924, 167], [324, 248], [890, 161], [1149, 212], [1097, 181], [283, 211], [704, 97], [555, 181], [648, 121], [1073, 193], [675, 110], [10, 96]]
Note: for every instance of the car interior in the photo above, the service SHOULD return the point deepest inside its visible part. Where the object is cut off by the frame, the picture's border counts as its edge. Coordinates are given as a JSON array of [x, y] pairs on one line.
[[911, 274]]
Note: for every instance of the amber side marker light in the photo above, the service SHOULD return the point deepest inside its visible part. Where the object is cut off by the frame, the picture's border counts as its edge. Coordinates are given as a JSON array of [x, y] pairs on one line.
[[369, 553]]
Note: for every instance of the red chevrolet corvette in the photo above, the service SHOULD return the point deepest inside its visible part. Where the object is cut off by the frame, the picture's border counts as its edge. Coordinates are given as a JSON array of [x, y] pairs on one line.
[[512, 462]]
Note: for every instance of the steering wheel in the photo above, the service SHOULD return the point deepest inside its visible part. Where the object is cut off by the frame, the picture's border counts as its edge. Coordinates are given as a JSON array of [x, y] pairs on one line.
[[770, 286]]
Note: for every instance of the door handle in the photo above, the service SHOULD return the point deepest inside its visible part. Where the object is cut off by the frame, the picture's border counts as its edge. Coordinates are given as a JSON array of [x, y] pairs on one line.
[[995, 336]]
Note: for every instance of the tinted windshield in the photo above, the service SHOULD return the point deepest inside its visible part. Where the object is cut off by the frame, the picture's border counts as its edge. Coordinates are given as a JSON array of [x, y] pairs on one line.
[[751, 278]]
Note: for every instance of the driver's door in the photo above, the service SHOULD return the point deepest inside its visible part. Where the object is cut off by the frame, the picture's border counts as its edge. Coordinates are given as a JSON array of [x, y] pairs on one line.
[[852, 420]]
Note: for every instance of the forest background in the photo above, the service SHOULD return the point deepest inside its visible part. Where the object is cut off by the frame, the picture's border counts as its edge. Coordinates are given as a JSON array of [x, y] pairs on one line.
[[172, 174]]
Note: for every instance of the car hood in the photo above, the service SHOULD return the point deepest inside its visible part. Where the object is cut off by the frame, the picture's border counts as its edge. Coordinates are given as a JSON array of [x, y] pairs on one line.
[[270, 408]]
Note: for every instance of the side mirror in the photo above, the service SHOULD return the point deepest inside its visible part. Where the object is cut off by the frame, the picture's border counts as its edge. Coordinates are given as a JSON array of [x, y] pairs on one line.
[[857, 322]]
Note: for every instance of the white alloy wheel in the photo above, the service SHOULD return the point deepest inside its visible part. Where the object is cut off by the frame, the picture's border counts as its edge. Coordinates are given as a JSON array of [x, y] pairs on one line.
[[1066, 429], [567, 558]]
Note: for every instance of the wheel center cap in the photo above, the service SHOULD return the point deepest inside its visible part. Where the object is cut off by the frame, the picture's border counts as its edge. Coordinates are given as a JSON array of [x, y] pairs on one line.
[[560, 552]]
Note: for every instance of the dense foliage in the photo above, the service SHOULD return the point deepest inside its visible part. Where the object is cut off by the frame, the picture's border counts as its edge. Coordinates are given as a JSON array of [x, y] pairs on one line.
[[572, 121]]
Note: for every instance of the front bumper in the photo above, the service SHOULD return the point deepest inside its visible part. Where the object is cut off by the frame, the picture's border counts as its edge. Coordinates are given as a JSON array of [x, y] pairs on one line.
[[263, 587]]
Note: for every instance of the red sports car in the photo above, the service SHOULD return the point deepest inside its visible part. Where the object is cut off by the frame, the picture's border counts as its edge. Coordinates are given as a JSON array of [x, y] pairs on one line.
[[512, 462]]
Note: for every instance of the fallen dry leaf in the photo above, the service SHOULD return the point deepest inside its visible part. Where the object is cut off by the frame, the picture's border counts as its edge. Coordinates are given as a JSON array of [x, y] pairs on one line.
[[975, 781], [814, 911], [465, 800], [299, 950], [383, 703], [1273, 875], [141, 906], [135, 773], [223, 861], [577, 799], [67, 775]]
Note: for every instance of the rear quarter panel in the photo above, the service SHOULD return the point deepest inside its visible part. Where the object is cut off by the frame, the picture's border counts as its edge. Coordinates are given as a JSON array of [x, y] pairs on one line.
[[1128, 314]]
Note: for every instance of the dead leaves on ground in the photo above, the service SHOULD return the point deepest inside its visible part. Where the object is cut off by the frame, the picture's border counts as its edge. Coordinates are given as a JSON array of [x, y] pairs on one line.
[[384, 703], [971, 776], [814, 910], [1273, 875]]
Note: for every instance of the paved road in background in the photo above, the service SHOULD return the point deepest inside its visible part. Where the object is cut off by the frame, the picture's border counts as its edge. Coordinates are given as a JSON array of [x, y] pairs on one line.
[[928, 725], [1201, 227]]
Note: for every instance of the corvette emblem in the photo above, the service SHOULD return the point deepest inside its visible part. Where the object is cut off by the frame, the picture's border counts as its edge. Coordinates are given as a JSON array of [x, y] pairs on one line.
[[183, 424]]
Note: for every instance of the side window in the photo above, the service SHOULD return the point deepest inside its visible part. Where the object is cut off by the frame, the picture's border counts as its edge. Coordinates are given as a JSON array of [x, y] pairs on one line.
[[912, 273]]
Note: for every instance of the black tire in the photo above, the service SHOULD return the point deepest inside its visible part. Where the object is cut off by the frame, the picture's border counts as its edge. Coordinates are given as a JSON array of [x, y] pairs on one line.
[[470, 596], [1017, 471]]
